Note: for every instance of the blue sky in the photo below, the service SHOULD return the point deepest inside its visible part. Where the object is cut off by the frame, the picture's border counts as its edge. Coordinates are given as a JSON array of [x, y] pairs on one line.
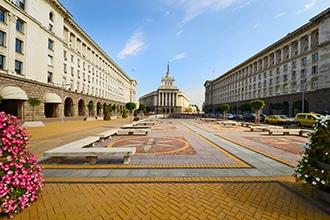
[[201, 39]]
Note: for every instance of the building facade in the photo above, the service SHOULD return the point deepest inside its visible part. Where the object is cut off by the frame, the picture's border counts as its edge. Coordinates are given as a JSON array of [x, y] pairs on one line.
[[44, 54], [293, 69], [168, 99]]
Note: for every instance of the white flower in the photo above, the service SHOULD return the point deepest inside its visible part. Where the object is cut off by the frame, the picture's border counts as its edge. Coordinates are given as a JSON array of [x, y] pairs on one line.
[[326, 153], [306, 176], [314, 183], [322, 182], [317, 179], [306, 161]]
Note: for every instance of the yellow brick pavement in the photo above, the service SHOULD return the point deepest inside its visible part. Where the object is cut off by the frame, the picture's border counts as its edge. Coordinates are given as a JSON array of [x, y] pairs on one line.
[[173, 198], [162, 197]]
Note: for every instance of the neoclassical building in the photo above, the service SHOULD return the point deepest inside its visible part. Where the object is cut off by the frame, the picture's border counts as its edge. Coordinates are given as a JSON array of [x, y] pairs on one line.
[[168, 99], [44, 54], [295, 68]]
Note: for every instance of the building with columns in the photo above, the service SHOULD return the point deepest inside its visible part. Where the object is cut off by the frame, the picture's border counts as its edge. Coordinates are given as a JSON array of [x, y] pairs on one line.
[[168, 99], [291, 75], [45, 54]]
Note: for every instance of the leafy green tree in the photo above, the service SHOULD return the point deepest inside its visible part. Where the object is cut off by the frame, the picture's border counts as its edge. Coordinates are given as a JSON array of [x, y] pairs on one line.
[[107, 111], [90, 107], [33, 102], [224, 108], [142, 109], [130, 106], [257, 105], [245, 107]]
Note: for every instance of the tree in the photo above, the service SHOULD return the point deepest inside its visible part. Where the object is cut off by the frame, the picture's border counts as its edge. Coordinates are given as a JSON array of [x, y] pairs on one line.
[[34, 102], [107, 110], [245, 107], [130, 106], [257, 105], [90, 107], [142, 109], [224, 108]]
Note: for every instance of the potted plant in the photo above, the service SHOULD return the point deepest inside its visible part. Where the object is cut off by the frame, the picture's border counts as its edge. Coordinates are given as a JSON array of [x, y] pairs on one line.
[[314, 167], [21, 178]]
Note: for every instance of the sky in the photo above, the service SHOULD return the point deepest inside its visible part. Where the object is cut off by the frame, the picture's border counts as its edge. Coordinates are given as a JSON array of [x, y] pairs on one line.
[[199, 39]]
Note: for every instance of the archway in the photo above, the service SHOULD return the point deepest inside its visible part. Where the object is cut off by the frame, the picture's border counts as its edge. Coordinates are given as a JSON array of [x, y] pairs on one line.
[[13, 100], [81, 108], [68, 107], [52, 102]]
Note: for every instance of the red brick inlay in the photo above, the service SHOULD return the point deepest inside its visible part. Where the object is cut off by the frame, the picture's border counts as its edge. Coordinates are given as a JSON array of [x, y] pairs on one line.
[[156, 145]]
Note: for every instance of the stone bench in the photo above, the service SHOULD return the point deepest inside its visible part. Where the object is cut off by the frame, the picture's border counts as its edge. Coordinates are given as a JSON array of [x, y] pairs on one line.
[[264, 128], [145, 123], [91, 153], [106, 134], [247, 124], [227, 122], [133, 131], [285, 131]]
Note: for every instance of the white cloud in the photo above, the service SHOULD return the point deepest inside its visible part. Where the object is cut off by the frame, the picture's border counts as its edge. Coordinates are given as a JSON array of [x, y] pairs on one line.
[[256, 25], [194, 8], [279, 15], [179, 33], [180, 56], [307, 6], [133, 45]]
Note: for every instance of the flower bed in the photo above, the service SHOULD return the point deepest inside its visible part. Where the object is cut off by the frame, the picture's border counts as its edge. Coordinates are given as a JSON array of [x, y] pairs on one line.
[[312, 169], [21, 178]]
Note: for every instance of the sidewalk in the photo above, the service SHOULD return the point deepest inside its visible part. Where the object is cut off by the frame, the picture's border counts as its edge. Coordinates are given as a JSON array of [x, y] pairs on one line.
[[183, 174]]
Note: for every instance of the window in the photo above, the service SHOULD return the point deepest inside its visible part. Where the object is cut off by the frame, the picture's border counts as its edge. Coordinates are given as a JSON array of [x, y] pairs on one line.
[[278, 79], [50, 60], [271, 73], [285, 77], [294, 64], [270, 81], [20, 3], [315, 57], [50, 27], [51, 16], [303, 72], [2, 16], [18, 66], [19, 45], [50, 77], [294, 75], [64, 55], [2, 62], [19, 25], [315, 83], [315, 69], [50, 44], [277, 70], [2, 38], [304, 61], [285, 68]]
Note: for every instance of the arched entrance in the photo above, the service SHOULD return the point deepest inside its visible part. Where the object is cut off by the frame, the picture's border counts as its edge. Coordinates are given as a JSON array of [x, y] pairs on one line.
[[52, 102], [68, 107], [81, 108], [13, 100]]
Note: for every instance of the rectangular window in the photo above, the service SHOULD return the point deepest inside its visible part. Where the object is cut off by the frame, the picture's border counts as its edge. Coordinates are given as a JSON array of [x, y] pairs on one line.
[[285, 68], [2, 62], [2, 16], [2, 38], [50, 60], [285, 77], [271, 73], [20, 3], [315, 69], [50, 44], [18, 66], [271, 82], [304, 61], [18, 47], [294, 64], [19, 25], [50, 77], [315, 83], [315, 57], [64, 67], [294, 75], [303, 72], [277, 70]]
